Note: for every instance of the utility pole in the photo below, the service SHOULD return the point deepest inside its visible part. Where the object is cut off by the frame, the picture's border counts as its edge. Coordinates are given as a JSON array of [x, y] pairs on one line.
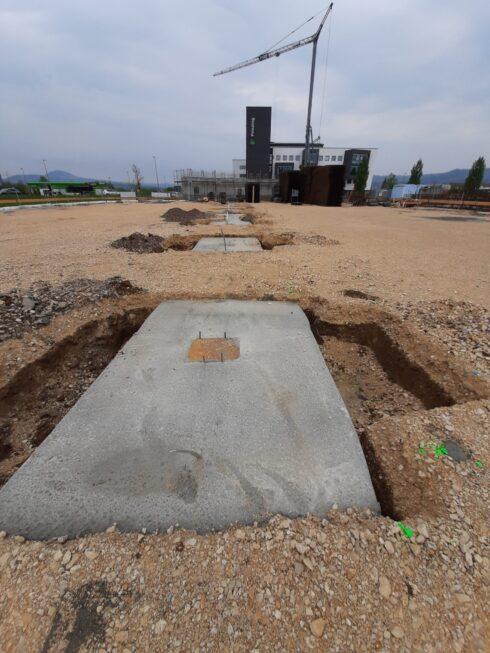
[[23, 176], [46, 169], [129, 180], [156, 172]]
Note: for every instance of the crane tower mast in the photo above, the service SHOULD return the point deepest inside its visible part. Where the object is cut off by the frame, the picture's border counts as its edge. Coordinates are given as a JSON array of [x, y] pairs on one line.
[[287, 48]]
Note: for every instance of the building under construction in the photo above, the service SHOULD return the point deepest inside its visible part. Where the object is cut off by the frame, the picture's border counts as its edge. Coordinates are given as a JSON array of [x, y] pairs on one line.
[[256, 177]]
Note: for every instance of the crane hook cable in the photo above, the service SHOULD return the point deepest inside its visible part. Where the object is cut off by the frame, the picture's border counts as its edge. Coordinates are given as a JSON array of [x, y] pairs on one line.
[[293, 31]]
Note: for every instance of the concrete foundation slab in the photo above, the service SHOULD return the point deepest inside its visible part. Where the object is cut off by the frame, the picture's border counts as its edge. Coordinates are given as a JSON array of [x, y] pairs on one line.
[[234, 219], [227, 244], [160, 438]]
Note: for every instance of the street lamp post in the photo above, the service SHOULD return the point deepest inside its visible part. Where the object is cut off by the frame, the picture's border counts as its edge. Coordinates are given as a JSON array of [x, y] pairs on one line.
[[156, 172]]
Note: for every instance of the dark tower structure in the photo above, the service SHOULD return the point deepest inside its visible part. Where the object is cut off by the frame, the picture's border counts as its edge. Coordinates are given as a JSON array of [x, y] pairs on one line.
[[258, 142]]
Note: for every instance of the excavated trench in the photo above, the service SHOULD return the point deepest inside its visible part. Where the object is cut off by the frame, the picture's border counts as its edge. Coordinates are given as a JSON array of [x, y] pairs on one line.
[[154, 244], [379, 369]]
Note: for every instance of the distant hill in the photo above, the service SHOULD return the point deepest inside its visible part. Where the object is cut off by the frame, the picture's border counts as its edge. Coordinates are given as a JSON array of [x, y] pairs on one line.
[[62, 175], [54, 175], [456, 176]]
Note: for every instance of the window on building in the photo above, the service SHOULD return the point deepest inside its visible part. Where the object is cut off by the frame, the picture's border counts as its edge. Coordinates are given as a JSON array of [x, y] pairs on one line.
[[196, 190], [339, 158], [334, 158], [242, 167], [291, 157], [320, 158], [284, 157], [327, 158], [298, 157], [278, 157]]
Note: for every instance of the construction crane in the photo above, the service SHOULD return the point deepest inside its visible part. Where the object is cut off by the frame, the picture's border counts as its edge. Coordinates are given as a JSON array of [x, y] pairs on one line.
[[287, 48]]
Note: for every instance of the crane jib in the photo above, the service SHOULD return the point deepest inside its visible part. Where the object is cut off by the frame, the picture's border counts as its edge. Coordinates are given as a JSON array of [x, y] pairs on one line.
[[287, 48]]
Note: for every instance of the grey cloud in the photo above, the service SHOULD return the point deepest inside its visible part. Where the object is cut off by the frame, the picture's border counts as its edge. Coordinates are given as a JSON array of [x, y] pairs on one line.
[[94, 86]]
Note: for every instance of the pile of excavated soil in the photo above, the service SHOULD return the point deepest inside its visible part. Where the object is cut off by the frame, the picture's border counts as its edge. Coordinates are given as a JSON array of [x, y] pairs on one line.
[[36, 307], [139, 243], [183, 217]]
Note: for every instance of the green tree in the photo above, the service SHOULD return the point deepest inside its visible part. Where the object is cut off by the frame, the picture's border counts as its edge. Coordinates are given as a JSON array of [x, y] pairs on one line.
[[362, 174], [389, 181], [475, 176], [416, 173]]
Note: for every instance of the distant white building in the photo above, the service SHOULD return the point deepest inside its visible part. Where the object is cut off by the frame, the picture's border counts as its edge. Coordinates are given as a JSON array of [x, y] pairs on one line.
[[288, 156]]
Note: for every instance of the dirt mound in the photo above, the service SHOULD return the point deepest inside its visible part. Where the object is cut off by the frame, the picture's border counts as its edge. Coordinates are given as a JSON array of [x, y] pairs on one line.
[[140, 243], [269, 241], [190, 217], [21, 311]]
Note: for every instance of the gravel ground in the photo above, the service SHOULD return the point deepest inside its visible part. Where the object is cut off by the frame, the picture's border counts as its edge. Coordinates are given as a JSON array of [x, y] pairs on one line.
[[21, 311], [346, 581], [462, 326]]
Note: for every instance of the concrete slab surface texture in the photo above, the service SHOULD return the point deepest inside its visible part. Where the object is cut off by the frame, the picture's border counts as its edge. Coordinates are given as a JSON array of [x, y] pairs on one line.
[[227, 244], [236, 219], [163, 437]]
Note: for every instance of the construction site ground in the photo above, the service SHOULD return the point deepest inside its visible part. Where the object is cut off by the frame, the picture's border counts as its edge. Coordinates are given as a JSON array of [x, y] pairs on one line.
[[398, 300]]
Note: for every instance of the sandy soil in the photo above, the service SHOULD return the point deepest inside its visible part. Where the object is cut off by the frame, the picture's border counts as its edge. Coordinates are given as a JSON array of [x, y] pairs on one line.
[[398, 300], [393, 253]]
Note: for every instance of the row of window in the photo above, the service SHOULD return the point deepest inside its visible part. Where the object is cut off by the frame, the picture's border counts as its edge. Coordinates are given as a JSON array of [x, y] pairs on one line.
[[297, 157], [334, 158], [291, 157]]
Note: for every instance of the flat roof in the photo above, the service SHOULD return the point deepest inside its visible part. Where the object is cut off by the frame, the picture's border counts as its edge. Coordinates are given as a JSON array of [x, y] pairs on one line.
[[315, 145]]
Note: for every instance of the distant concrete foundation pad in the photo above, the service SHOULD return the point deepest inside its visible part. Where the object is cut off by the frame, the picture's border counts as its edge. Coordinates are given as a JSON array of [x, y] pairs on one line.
[[161, 438], [227, 244], [234, 219]]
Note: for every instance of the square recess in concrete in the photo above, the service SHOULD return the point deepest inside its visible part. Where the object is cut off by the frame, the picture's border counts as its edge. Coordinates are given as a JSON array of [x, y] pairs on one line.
[[209, 350], [227, 244], [157, 440]]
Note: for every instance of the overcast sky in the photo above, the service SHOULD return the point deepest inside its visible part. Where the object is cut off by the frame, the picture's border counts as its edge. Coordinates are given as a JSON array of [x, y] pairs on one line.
[[93, 86]]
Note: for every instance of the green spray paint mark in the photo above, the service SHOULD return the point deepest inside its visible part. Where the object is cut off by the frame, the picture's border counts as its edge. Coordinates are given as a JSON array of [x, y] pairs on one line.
[[406, 530], [440, 450], [479, 463], [437, 450]]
